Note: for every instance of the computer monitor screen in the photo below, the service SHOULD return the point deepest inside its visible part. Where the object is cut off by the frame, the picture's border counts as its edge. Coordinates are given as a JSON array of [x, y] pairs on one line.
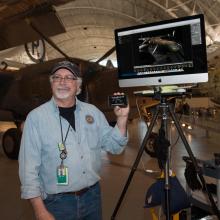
[[162, 53]]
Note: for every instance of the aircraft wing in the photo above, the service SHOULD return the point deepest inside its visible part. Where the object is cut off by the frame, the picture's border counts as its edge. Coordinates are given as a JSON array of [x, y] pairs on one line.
[[11, 27]]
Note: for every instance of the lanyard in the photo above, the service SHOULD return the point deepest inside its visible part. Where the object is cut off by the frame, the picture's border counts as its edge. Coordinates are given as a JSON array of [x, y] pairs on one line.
[[62, 145]]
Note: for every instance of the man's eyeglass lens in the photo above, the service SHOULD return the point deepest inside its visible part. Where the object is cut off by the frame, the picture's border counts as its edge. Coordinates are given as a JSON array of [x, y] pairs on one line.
[[66, 78]]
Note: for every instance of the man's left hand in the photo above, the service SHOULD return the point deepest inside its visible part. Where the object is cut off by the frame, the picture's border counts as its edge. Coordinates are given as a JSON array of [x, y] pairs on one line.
[[121, 111], [122, 116]]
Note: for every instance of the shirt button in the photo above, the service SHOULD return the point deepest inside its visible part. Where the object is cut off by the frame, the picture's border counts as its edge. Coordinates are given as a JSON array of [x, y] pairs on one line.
[[84, 172], [81, 157]]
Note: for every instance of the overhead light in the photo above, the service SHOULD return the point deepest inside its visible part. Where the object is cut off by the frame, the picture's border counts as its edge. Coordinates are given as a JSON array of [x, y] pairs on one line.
[[189, 127]]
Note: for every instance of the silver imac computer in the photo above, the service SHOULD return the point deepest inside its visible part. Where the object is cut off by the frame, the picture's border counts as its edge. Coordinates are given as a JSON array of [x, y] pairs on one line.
[[162, 53]]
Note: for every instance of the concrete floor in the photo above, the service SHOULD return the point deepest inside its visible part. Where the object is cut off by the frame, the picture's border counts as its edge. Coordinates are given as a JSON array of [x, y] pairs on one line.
[[114, 174]]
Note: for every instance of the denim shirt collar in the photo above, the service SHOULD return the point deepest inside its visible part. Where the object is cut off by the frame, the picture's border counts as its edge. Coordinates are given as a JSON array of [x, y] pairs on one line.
[[56, 108]]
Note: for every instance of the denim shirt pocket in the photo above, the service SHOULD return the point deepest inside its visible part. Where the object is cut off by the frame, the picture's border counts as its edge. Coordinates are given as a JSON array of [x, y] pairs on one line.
[[92, 136]]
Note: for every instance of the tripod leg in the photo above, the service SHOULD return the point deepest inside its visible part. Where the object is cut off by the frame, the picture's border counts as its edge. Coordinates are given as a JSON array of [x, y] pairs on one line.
[[164, 107], [195, 164], [166, 173], [134, 167]]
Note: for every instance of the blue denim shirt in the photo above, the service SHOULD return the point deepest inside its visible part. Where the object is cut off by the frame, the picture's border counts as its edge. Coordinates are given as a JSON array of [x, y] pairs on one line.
[[39, 155]]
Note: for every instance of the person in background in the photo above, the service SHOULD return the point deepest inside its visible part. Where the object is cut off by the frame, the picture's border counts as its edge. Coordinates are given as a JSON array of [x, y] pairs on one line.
[[60, 153]]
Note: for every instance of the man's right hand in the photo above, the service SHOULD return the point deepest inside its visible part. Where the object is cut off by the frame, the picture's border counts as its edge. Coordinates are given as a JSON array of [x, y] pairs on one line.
[[41, 213], [44, 216]]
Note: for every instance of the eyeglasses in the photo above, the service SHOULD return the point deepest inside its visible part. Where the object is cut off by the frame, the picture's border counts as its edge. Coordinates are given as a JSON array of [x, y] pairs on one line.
[[66, 78]]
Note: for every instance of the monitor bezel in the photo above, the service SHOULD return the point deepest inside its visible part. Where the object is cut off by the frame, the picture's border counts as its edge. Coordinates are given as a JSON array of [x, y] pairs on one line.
[[170, 79]]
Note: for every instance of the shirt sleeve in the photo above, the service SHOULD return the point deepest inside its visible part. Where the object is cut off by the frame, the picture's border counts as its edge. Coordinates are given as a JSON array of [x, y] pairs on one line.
[[30, 160], [112, 140]]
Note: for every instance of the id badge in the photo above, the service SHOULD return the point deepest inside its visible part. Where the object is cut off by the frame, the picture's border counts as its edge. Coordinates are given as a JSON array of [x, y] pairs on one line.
[[62, 175], [61, 146]]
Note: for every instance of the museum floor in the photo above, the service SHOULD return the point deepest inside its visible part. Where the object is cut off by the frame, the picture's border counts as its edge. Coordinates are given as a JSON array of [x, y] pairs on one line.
[[203, 141]]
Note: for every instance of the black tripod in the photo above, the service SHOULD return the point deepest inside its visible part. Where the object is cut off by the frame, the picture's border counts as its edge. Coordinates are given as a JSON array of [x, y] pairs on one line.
[[165, 108]]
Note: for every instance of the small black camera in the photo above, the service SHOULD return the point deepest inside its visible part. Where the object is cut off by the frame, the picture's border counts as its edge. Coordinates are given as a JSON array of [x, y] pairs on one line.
[[118, 100]]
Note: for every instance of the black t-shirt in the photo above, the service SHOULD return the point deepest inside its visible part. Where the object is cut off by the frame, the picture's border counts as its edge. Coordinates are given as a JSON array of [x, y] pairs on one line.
[[68, 114]]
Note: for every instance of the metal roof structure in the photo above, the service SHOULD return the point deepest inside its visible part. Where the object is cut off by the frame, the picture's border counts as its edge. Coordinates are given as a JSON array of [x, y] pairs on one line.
[[89, 24]]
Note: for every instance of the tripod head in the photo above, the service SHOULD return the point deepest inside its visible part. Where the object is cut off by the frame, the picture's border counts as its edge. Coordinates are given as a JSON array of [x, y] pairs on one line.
[[157, 92]]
